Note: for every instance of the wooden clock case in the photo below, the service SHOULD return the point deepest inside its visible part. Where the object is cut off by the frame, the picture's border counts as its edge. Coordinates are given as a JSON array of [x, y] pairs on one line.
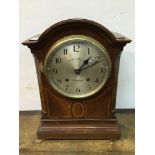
[[87, 118]]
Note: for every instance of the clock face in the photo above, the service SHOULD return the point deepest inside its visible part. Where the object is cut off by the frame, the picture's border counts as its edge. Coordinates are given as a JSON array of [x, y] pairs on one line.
[[77, 66]]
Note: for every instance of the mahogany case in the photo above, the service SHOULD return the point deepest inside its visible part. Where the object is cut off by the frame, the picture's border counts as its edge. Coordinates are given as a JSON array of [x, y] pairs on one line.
[[88, 118]]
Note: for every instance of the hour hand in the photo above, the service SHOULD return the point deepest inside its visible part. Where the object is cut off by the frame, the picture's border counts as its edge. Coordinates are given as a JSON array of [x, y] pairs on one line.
[[85, 62]]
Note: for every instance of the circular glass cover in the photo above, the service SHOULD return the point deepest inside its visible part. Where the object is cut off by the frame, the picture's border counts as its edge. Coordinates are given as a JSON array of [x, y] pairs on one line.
[[77, 66]]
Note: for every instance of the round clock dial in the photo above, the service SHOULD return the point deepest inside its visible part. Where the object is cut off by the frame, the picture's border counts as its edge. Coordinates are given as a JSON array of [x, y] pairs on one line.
[[77, 66]]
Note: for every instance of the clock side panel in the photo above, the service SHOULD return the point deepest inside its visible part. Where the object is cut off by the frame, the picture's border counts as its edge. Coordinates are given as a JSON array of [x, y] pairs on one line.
[[115, 58], [41, 89]]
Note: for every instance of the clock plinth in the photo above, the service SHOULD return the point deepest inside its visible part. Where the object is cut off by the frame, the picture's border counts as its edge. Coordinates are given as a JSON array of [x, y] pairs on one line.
[[79, 129], [77, 79]]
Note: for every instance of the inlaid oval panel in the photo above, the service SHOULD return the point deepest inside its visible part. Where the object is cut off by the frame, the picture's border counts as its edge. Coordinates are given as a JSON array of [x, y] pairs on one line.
[[78, 109]]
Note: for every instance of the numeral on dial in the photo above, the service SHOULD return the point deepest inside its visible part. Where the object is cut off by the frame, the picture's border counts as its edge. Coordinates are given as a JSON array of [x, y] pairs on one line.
[[58, 60], [88, 51], [96, 80], [78, 90], [89, 87], [98, 57], [76, 48], [65, 51], [55, 70]]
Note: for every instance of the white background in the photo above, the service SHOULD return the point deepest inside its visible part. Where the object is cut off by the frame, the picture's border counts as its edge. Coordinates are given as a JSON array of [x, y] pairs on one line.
[[145, 77], [38, 15]]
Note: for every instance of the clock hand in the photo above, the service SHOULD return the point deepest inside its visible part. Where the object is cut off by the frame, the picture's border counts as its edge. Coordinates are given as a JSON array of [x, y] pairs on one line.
[[95, 63], [85, 62]]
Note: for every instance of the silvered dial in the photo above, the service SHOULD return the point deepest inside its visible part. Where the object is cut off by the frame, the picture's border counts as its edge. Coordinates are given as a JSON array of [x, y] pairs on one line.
[[77, 66]]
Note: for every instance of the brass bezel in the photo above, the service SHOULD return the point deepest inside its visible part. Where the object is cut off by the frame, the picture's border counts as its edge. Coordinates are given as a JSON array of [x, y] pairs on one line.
[[76, 37]]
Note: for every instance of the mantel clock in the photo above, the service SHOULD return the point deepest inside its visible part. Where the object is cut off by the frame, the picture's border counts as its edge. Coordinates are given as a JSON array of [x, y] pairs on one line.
[[77, 64]]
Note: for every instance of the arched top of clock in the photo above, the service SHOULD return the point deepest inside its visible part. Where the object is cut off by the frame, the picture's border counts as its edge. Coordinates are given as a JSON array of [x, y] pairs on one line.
[[77, 26]]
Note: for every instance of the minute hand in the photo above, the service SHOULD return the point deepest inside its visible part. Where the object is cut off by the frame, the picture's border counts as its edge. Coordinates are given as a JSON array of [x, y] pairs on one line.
[[93, 64]]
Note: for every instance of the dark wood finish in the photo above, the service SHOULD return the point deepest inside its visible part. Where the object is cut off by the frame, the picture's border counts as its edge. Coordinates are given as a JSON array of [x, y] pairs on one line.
[[88, 118], [38, 112]]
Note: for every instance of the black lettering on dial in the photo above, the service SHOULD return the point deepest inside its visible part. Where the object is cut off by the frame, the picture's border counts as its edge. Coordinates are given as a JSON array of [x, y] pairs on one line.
[[76, 48]]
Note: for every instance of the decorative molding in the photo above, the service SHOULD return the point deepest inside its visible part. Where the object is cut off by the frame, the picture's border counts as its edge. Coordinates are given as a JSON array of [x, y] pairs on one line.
[[38, 112]]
